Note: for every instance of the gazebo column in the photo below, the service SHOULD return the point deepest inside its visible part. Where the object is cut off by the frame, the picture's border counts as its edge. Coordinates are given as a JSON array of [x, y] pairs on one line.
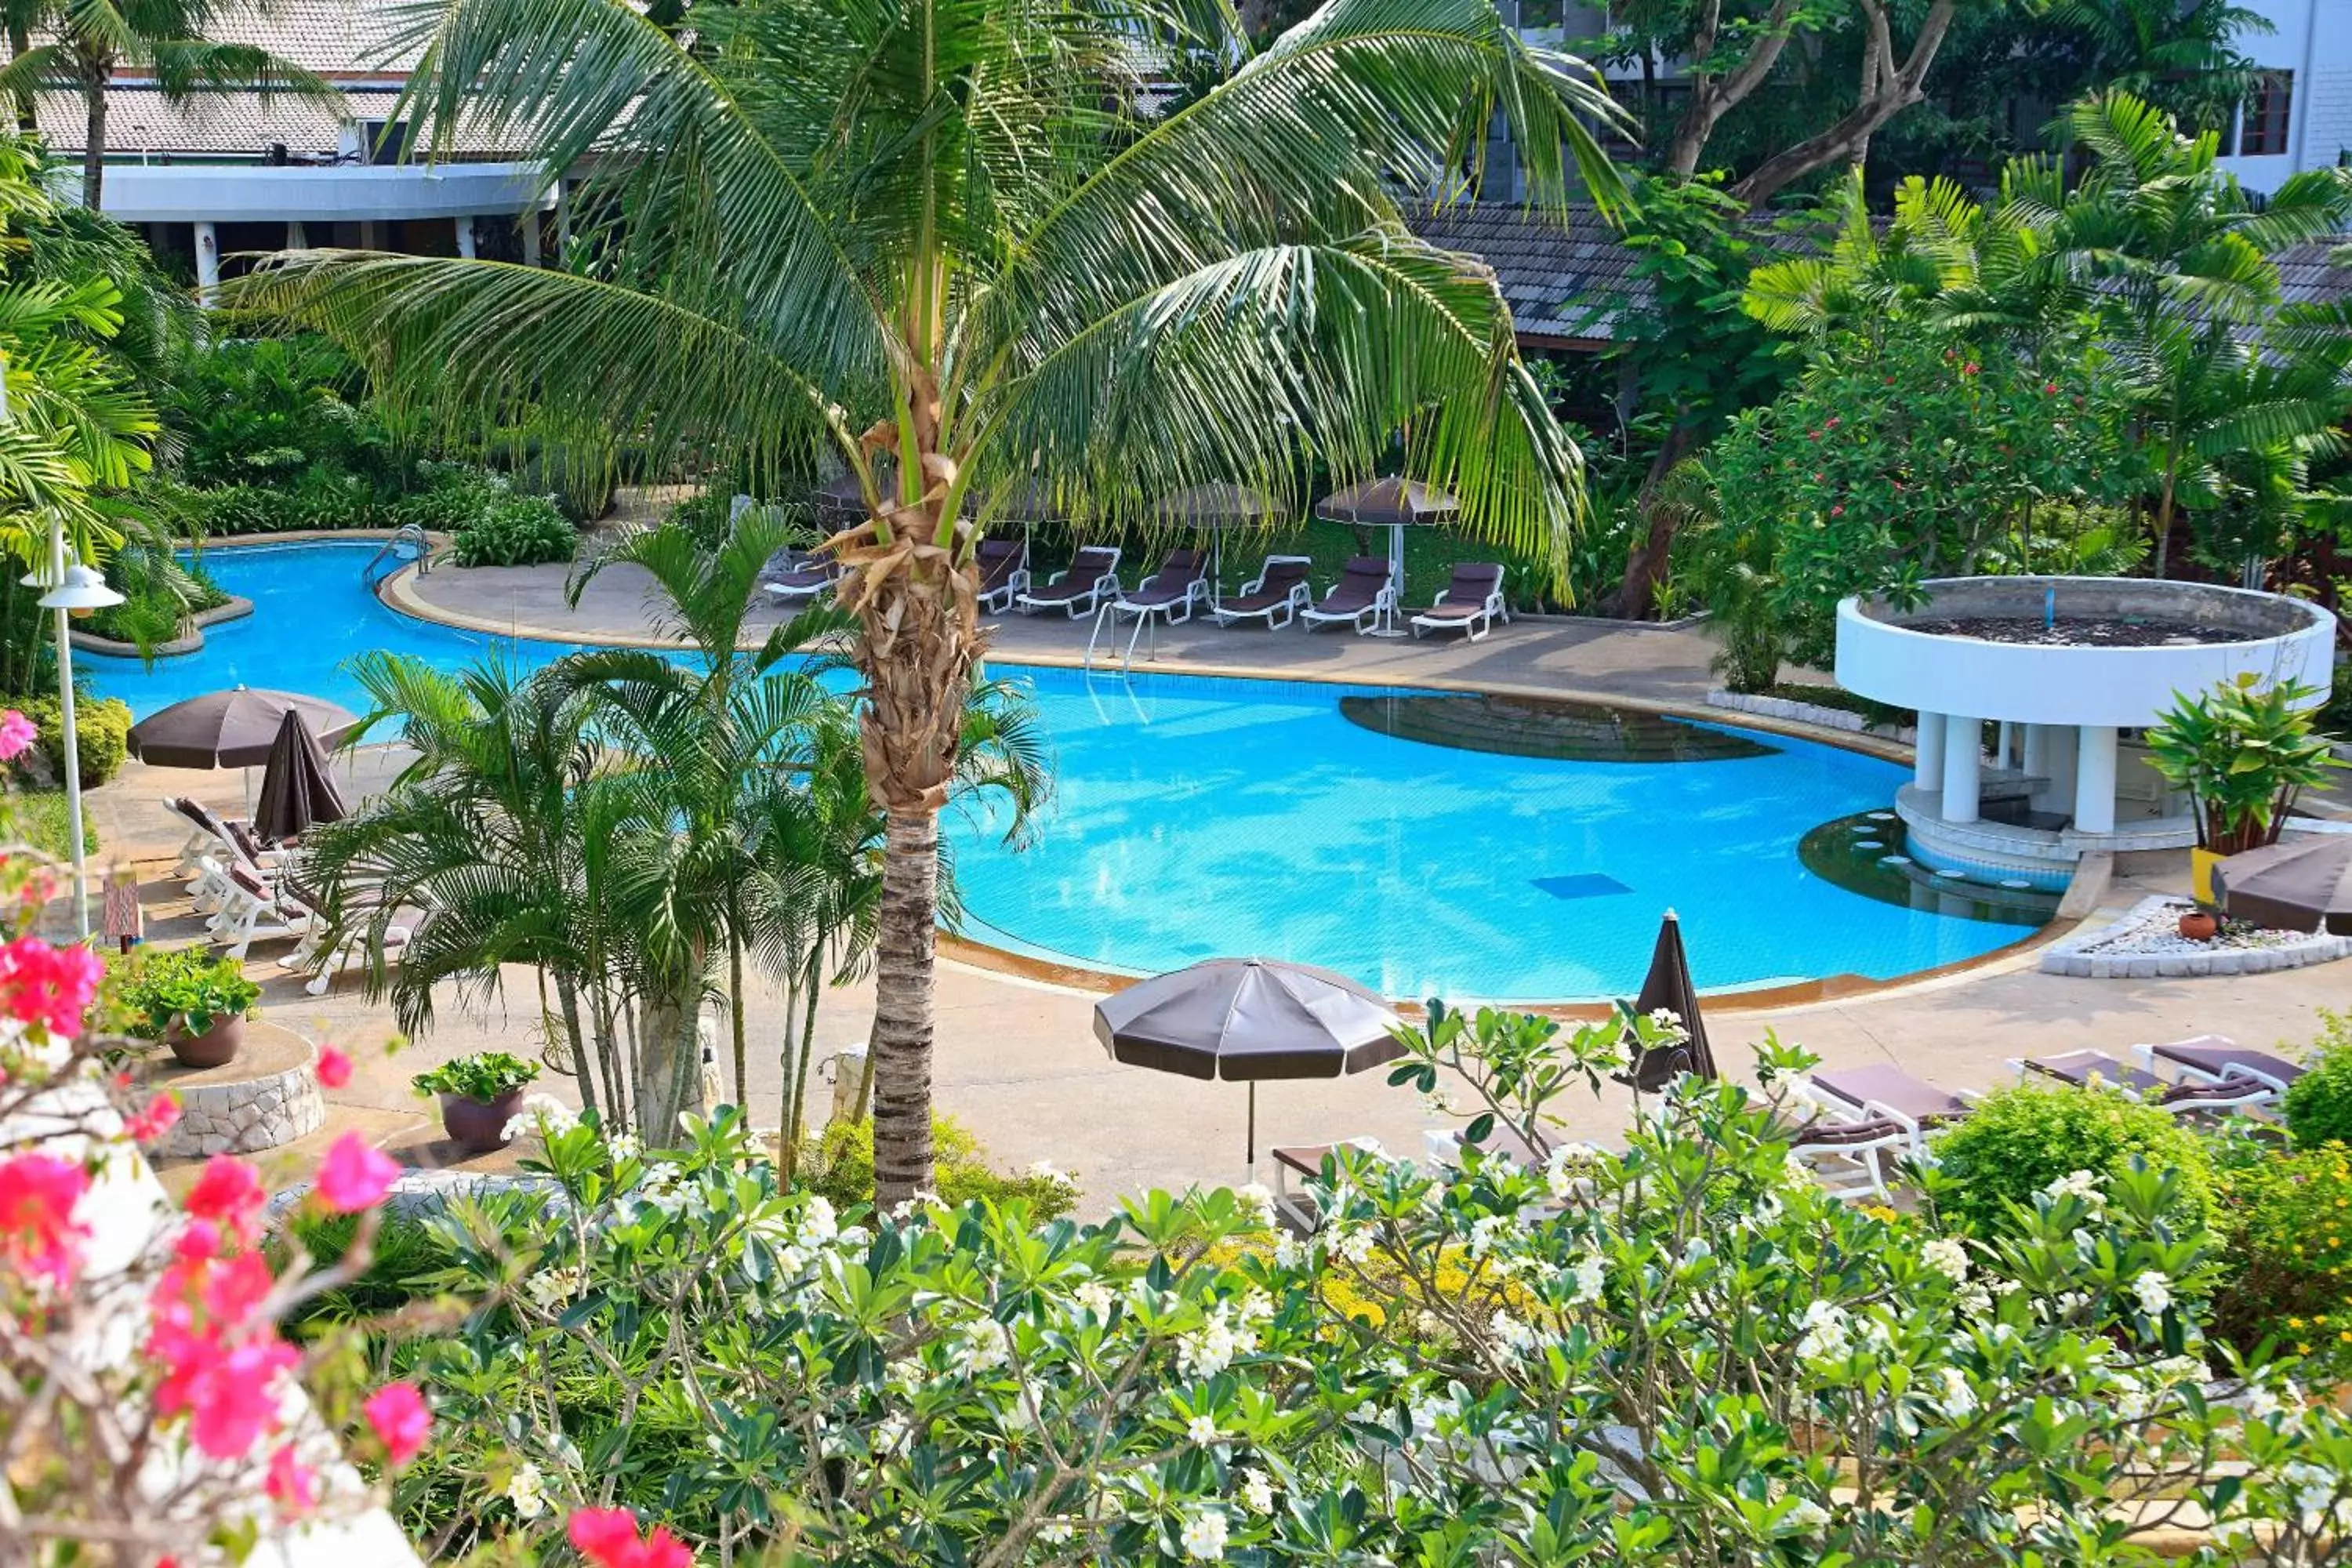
[[1963, 751], [2059, 797], [2095, 779], [297, 236], [207, 263], [526, 222], [1927, 749], [466, 236], [2035, 762], [2004, 747]]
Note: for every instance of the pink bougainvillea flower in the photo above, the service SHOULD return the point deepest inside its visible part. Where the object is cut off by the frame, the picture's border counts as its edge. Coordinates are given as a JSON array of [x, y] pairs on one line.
[[292, 1485], [16, 733], [229, 1194], [153, 1119], [397, 1413], [38, 1235], [199, 1239], [1838, 510], [230, 1390], [354, 1176], [47, 985], [334, 1068], [608, 1538]]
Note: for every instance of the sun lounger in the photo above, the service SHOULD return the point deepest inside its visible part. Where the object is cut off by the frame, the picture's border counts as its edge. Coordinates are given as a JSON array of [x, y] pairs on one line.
[[1862, 1093], [312, 952], [1304, 1162], [1363, 598], [2189, 1097], [1470, 602], [1847, 1157], [1275, 595], [1167, 596], [815, 576], [1077, 592], [1004, 572], [2214, 1058]]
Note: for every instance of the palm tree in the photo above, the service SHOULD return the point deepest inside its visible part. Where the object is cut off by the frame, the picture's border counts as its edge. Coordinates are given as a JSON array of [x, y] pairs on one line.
[[950, 244], [91, 42]]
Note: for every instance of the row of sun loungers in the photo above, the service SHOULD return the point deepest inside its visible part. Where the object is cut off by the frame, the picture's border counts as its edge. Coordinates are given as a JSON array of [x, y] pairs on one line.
[[249, 894], [1363, 598], [1862, 1120]]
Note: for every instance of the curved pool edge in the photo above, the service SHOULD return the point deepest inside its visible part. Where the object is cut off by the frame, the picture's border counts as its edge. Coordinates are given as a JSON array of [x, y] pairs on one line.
[[398, 594]]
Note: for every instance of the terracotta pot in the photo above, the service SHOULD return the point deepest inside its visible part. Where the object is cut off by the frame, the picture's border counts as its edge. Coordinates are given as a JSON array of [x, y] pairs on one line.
[[216, 1047], [478, 1124], [2199, 925]]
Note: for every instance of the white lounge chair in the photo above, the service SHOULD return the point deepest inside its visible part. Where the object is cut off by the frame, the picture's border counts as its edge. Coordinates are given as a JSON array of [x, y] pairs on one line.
[[1470, 602], [1077, 591], [2217, 1058], [1004, 572], [1275, 595], [1363, 598], [1862, 1094], [1168, 595]]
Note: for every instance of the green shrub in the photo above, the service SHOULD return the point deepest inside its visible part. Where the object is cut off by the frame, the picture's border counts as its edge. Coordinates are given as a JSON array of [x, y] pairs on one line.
[[102, 735], [190, 986], [839, 1163], [2288, 1234], [483, 1076], [516, 531], [2019, 1141], [2320, 1103]]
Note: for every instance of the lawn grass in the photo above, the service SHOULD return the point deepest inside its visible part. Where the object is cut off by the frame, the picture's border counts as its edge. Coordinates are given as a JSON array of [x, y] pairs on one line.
[[38, 817]]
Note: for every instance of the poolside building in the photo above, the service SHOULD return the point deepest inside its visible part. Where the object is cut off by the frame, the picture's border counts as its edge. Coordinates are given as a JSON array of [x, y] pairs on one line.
[[223, 173], [2032, 693]]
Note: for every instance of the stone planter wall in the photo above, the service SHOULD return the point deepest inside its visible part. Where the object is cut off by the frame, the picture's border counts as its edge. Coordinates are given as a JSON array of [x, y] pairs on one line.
[[1795, 712], [267, 1097], [2095, 955]]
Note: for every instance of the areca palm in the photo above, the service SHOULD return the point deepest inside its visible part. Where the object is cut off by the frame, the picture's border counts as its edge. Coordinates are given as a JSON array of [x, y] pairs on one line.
[[949, 244], [86, 44]]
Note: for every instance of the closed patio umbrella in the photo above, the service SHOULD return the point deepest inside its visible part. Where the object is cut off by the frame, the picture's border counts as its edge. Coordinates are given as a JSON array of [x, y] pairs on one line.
[[1668, 987], [1215, 509], [1395, 504], [1246, 1019], [2302, 884], [298, 788]]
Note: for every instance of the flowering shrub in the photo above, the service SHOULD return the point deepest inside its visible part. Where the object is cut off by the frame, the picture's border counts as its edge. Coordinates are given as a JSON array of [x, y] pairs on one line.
[[2020, 1139], [1686, 1354], [839, 1163], [2289, 1279]]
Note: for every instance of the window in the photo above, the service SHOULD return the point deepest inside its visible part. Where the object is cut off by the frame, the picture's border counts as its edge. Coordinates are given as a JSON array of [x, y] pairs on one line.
[[2268, 108]]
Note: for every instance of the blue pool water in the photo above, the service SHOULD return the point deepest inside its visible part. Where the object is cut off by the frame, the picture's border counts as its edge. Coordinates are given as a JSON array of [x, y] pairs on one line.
[[1196, 816]]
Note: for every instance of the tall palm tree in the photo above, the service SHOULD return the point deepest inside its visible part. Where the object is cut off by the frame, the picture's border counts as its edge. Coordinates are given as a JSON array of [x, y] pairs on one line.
[[952, 244], [86, 43]]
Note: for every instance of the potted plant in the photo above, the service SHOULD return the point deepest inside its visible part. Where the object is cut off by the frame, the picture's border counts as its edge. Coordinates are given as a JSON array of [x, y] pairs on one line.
[[479, 1095], [2243, 752], [2199, 925], [194, 1000]]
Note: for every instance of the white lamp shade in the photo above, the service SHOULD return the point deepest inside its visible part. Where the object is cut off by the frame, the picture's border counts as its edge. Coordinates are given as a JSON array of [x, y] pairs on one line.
[[83, 589]]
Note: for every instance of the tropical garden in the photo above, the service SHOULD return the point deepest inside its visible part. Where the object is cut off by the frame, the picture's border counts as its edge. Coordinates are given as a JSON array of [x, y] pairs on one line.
[[954, 250]]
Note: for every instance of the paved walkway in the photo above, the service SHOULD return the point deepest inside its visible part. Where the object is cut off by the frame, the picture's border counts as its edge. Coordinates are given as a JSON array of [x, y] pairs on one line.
[[1017, 1059]]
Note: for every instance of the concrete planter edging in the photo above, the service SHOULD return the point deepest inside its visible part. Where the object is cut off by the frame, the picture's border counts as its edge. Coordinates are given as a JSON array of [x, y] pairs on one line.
[[1796, 712], [2073, 955], [235, 610]]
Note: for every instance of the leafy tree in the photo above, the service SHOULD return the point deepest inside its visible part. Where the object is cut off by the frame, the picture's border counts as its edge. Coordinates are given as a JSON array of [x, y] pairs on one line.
[[946, 242], [88, 43]]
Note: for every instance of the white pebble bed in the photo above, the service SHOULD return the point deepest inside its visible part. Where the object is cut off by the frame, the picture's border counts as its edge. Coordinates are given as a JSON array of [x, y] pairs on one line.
[[2145, 943]]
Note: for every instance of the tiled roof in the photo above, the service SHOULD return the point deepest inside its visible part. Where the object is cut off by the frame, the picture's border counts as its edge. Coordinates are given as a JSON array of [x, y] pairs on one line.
[[1570, 279], [139, 119], [332, 38]]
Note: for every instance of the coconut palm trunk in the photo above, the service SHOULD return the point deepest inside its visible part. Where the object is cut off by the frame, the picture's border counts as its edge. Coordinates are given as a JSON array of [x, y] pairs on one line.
[[960, 249]]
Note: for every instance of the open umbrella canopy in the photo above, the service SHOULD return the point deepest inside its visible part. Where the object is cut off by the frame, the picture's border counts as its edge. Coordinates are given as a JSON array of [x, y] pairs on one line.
[[1217, 506], [1668, 988], [233, 729], [2299, 885], [1249, 1019], [298, 788], [1386, 503]]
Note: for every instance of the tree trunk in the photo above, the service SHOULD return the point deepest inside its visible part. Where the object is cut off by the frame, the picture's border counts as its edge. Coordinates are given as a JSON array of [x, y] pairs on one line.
[[20, 39], [585, 1062], [903, 1007], [669, 1065], [1715, 96], [1646, 563], [735, 1008], [1896, 89], [93, 153]]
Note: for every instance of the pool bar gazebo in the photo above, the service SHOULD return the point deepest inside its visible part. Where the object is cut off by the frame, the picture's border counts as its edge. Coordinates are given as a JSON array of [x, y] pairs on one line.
[[2063, 672]]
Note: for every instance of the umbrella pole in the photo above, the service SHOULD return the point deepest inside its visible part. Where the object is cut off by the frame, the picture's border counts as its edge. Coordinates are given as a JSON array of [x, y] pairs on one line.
[[1251, 1138], [1388, 626]]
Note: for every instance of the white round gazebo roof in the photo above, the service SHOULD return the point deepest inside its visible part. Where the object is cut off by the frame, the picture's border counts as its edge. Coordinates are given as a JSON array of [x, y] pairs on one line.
[[1965, 648]]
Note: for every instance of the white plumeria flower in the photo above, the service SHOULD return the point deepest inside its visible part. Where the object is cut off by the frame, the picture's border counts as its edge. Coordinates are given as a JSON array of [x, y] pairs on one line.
[[1824, 1336], [1590, 1275], [1203, 1535], [1047, 1171], [1257, 1492], [1261, 1197], [527, 1489], [1203, 1429], [2154, 1291], [1948, 1255], [1804, 1514]]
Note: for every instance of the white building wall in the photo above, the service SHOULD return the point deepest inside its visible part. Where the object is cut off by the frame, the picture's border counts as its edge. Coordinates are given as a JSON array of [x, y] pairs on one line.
[[2312, 38]]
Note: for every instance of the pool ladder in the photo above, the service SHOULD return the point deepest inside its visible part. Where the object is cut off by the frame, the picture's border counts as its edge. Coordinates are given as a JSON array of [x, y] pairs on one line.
[[407, 543]]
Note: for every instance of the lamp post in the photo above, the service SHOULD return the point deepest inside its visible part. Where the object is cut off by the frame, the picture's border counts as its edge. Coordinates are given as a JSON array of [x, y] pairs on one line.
[[70, 588]]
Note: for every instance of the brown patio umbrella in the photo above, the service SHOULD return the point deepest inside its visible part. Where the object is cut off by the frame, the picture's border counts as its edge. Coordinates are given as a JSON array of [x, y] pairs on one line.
[[298, 788], [1395, 504], [1215, 509], [1245, 1019], [233, 729], [1668, 987], [2302, 884]]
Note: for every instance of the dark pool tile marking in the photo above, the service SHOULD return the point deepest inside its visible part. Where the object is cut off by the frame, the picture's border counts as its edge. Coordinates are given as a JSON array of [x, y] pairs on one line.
[[1584, 884]]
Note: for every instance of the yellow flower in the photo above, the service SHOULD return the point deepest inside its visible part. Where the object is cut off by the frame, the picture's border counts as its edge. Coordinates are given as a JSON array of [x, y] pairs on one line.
[[2303, 1347], [2294, 1322]]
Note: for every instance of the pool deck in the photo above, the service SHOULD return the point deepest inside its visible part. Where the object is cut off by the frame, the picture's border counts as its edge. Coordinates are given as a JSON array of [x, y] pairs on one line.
[[1017, 1060]]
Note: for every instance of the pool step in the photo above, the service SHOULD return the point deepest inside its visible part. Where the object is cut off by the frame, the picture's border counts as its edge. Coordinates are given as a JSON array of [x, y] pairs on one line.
[[1552, 731]]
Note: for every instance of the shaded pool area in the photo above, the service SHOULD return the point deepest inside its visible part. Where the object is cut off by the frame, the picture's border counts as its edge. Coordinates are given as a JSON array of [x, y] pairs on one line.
[[1196, 816]]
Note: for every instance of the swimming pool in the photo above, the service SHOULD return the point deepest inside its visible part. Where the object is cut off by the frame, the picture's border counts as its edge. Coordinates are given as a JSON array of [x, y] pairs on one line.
[[1195, 817]]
